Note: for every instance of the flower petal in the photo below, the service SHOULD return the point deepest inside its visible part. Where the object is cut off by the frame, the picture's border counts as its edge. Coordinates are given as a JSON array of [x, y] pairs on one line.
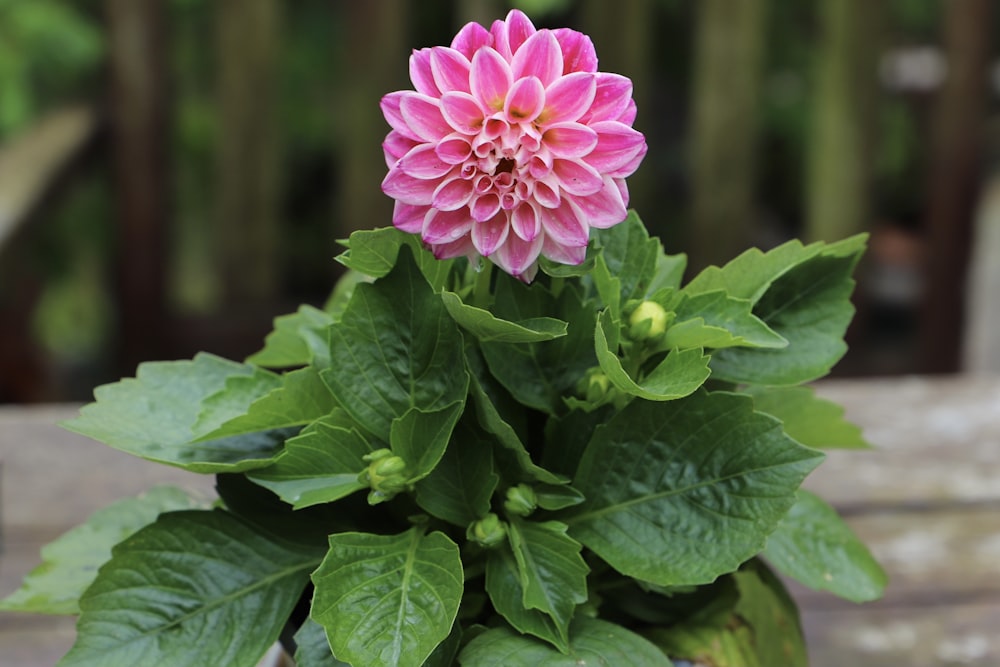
[[525, 100], [454, 149], [450, 69], [396, 146], [563, 254], [539, 56], [489, 235], [518, 257], [546, 192], [629, 168], [525, 221], [617, 145], [577, 177], [407, 189], [565, 225], [452, 194], [470, 39], [462, 112], [423, 162], [390, 109], [605, 208], [420, 73], [568, 98], [423, 115], [570, 140], [611, 98], [485, 207], [490, 79], [446, 226], [461, 247], [408, 218], [578, 51], [519, 28]]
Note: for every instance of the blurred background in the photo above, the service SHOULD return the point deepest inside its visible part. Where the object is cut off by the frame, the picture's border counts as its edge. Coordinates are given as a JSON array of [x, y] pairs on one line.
[[176, 173]]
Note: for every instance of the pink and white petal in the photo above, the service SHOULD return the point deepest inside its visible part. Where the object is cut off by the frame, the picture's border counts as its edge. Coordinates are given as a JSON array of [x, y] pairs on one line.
[[461, 248], [518, 257], [446, 226], [485, 207], [605, 208], [525, 221], [539, 56], [390, 109], [572, 255], [490, 79], [501, 43], [568, 98], [423, 162], [565, 225], [420, 73], [611, 97], [423, 115], [569, 140], [622, 189], [617, 145], [452, 194], [546, 192], [470, 39], [489, 235], [628, 116], [462, 112], [524, 100], [454, 149], [578, 51], [396, 146], [409, 218], [629, 168], [407, 189], [576, 177], [450, 69], [540, 164], [519, 29]]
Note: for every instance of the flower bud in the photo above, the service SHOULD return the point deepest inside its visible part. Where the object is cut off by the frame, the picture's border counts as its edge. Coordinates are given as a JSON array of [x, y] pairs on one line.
[[488, 532], [386, 474], [647, 322], [521, 500]]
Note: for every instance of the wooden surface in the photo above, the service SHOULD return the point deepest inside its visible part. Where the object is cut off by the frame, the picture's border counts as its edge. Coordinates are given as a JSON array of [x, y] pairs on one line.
[[927, 501]]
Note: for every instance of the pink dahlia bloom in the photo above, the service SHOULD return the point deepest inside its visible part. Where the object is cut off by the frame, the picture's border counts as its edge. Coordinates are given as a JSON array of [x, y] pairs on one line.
[[511, 147]]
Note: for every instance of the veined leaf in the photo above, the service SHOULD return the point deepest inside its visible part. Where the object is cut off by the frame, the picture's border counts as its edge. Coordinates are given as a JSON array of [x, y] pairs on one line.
[[153, 416], [388, 599], [592, 642], [297, 339], [506, 591], [182, 590], [70, 563], [420, 438], [395, 348], [374, 252], [312, 649], [815, 547], [630, 257], [486, 327], [813, 421], [772, 615], [680, 492], [717, 320]]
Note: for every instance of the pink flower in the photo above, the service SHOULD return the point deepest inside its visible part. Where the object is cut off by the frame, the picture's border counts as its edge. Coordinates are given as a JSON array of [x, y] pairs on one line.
[[512, 146]]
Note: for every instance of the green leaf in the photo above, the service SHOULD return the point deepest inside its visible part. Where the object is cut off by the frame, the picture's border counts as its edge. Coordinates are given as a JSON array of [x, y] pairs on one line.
[[506, 591], [717, 320], [70, 563], [630, 257], [669, 273], [552, 497], [388, 599], [153, 416], [679, 374], [320, 465], [459, 489], [766, 607], [375, 252], [593, 642], [420, 438], [486, 327], [540, 374], [729, 645], [813, 421], [233, 400], [312, 649], [809, 305], [680, 492], [552, 572], [297, 339], [395, 348], [182, 591], [815, 547]]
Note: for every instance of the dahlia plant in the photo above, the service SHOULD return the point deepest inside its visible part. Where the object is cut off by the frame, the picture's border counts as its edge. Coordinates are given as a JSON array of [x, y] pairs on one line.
[[512, 436]]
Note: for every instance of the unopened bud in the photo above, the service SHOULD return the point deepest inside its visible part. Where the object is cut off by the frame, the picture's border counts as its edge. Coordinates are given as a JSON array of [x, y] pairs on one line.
[[647, 322], [386, 474], [487, 532], [521, 500]]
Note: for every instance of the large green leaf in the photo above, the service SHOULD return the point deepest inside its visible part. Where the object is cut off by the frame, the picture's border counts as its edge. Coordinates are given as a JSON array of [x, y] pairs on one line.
[[297, 339], [70, 563], [765, 606], [153, 416], [716, 320], [593, 642], [506, 590], [374, 252], [459, 489], [680, 492], [814, 546], [395, 348], [184, 590], [486, 327], [628, 261], [312, 648], [388, 600], [320, 465], [809, 305], [420, 437], [813, 421]]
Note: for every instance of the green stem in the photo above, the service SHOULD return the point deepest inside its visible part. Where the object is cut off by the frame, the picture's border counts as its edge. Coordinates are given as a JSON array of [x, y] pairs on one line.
[[481, 295]]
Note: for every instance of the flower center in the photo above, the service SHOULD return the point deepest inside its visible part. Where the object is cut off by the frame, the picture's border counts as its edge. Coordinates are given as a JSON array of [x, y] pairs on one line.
[[505, 166]]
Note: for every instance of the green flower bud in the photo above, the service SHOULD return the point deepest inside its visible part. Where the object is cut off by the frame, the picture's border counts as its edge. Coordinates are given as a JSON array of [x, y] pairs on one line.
[[521, 500], [386, 474], [647, 322], [488, 532], [597, 387]]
